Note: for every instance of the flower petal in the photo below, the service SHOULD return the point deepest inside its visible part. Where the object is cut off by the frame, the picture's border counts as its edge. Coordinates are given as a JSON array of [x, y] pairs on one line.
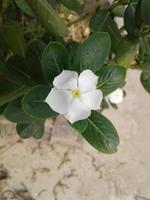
[[59, 100], [115, 97], [92, 99], [66, 80], [77, 111], [87, 81]]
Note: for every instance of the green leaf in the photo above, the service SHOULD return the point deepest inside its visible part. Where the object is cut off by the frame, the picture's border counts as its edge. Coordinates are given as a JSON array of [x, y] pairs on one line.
[[126, 52], [144, 54], [48, 17], [2, 109], [33, 59], [72, 47], [145, 80], [72, 5], [145, 47], [13, 70], [101, 134], [10, 91], [119, 10], [92, 53], [133, 2], [14, 38], [24, 7], [3, 44], [34, 129], [129, 22], [111, 77], [26, 70], [34, 103], [146, 64], [80, 126], [55, 58], [53, 3], [145, 11], [102, 21], [15, 113], [138, 17]]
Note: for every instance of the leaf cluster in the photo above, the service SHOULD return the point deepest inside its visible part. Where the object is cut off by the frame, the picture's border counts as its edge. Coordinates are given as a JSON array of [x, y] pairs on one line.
[[33, 52]]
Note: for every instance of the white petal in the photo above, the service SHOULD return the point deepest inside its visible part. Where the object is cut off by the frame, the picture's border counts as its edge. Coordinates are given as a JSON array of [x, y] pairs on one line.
[[92, 99], [87, 81], [115, 97], [66, 80], [59, 100], [77, 111]]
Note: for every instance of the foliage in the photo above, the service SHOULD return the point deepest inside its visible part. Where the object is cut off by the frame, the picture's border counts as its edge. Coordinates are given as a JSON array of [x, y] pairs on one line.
[[33, 51]]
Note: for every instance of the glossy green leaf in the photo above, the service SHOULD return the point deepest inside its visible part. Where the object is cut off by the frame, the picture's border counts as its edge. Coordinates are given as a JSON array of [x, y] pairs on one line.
[[72, 5], [24, 7], [119, 10], [133, 2], [145, 11], [144, 54], [102, 21], [2, 109], [126, 52], [72, 47], [34, 129], [34, 103], [26, 70], [14, 37], [138, 17], [80, 126], [53, 3], [55, 58], [111, 77], [15, 113], [145, 47], [48, 17], [145, 65], [145, 80], [10, 91], [129, 22], [13, 71], [101, 134], [92, 53], [3, 44], [33, 59]]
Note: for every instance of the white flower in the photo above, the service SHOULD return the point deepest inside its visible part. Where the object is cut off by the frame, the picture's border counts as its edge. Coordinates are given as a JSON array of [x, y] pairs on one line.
[[75, 96], [115, 97]]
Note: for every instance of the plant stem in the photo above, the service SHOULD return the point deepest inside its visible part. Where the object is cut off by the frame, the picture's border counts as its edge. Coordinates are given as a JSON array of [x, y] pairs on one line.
[[48, 17]]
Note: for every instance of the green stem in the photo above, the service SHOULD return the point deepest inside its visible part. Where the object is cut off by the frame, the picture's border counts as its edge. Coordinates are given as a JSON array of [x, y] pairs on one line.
[[48, 17]]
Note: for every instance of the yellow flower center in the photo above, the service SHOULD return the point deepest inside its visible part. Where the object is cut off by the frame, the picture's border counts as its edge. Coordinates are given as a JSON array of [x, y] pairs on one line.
[[76, 93]]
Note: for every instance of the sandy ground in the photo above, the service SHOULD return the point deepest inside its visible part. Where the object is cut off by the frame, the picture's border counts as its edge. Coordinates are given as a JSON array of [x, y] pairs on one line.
[[65, 167]]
